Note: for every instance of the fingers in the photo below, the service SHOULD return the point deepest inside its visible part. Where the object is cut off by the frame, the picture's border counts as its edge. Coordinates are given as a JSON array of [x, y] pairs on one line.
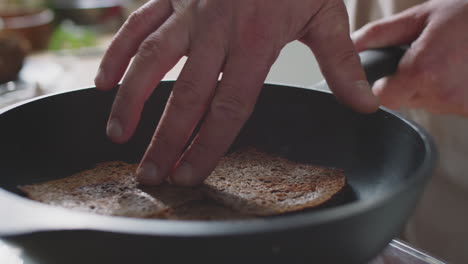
[[399, 29], [138, 26], [186, 105], [338, 60], [398, 89], [394, 91], [404, 28], [156, 56], [442, 95], [232, 104]]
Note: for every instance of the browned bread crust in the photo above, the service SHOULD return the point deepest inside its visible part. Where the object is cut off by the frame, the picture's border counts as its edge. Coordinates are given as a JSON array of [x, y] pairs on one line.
[[258, 183], [245, 184], [108, 189]]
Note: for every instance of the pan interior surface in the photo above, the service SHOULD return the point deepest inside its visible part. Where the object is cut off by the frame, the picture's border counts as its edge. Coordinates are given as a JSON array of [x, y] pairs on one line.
[[59, 135]]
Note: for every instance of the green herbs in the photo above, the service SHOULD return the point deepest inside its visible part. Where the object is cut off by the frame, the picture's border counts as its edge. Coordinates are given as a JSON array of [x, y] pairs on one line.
[[67, 35]]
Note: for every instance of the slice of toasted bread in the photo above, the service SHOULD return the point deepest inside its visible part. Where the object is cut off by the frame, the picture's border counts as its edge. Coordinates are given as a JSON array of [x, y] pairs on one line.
[[245, 184], [257, 183], [110, 189]]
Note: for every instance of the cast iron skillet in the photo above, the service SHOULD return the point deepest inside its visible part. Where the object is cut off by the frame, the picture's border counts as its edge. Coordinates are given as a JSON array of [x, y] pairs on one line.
[[387, 161]]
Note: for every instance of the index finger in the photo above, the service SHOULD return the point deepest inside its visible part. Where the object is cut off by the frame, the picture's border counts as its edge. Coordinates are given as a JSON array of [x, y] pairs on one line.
[[232, 104], [329, 38], [123, 47]]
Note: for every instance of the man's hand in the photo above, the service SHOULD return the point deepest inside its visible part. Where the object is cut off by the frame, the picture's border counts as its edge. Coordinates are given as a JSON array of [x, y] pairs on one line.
[[241, 39], [433, 74]]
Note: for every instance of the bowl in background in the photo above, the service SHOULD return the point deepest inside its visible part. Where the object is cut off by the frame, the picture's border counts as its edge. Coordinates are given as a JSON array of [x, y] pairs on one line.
[[34, 26]]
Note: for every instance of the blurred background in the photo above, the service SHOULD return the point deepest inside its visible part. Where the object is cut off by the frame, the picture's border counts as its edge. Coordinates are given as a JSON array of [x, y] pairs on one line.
[[49, 46]]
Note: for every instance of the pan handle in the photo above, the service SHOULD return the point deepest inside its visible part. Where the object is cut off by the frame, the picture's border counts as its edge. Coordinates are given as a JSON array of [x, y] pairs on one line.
[[381, 62], [24, 216]]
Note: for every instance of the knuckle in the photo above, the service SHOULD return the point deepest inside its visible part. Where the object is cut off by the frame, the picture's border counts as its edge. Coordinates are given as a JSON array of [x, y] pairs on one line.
[[338, 13], [258, 35], [331, 20], [150, 49], [179, 6], [138, 19], [230, 108], [256, 41], [114, 47], [343, 57], [261, 46], [215, 10], [185, 95]]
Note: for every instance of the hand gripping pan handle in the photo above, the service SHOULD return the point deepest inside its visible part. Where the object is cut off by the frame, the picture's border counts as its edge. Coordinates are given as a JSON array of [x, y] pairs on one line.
[[381, 62], [377, 63]]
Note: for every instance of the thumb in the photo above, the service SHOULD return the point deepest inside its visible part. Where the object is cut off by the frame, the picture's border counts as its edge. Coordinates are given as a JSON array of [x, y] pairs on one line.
[[399, 29]]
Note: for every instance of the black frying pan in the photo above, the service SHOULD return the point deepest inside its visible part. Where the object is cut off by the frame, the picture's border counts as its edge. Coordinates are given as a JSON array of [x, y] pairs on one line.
[[387, 161]]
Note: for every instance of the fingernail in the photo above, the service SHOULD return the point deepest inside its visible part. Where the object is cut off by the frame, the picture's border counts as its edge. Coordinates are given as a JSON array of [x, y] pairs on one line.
[[183, 174], [147, 173], [378, 87], [114, 129]]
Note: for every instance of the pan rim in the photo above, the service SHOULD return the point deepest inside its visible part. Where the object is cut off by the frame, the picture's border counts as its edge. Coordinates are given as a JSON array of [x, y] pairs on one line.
[[191, 228]]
